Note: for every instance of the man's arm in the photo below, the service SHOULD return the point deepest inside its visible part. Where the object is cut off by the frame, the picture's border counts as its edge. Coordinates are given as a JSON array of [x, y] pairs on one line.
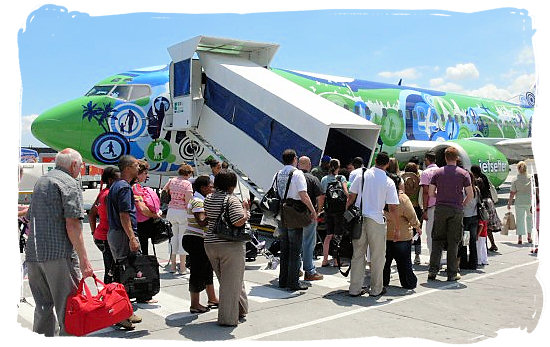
[[431, 191], [351, 199], [306, 200], [127, 226], [74, 232], [425, 200]]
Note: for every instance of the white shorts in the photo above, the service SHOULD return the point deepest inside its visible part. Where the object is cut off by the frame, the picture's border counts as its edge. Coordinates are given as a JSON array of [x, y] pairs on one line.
[[178, 218]]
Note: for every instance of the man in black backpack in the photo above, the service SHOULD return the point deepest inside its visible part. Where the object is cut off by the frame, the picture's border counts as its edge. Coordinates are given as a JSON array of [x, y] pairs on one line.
[[335, 188], [309, 238]]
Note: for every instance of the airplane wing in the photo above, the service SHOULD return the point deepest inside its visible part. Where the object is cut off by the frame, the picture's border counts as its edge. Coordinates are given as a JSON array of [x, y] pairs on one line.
[[515, 149]]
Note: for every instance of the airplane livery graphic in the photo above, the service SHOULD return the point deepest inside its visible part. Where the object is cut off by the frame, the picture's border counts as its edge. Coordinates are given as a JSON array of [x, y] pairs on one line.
[[129, 113]]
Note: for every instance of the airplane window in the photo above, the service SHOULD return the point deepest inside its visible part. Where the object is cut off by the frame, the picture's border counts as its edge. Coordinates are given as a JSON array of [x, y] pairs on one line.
[[139, 92], [408, 113], [467, 119], [422, 116], [462, 119], [121, 92], [442, 118], [434, 117], [449, 118], [357, 110], [415, 116], [99, 90], [456, 118]]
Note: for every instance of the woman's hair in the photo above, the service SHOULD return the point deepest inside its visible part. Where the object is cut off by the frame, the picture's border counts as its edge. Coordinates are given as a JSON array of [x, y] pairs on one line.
[[185, 170], [201, 181], [225, 180], [109, 173], [393, 166], [333, 165], [522, 168], [484, 187], [143, 166], [212, 162], [396, 179], [411, 167], [473, 180]]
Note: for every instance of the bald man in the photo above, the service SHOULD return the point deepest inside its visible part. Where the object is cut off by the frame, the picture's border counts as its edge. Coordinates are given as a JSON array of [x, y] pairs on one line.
[[310, 232], [56, 213]]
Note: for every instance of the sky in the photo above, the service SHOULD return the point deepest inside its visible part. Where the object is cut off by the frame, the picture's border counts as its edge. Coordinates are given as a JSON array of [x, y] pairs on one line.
[[55, 53], [63, 51]]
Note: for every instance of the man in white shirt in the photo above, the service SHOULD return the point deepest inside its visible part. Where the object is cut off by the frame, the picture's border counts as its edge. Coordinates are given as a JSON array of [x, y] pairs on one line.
[[291, 239], [377, 191]]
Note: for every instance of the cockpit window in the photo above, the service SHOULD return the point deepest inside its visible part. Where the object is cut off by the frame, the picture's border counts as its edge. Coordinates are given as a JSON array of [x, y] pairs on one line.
[[139, 92], [99, 90], [121, 92]]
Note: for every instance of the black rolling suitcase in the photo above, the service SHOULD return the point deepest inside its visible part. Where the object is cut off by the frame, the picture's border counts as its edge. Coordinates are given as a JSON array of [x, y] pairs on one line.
[[140, 276]]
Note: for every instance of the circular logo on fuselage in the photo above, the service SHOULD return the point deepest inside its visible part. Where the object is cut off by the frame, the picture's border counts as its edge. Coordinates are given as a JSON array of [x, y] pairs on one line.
[[160, 150], [108, 147], [129, 120]]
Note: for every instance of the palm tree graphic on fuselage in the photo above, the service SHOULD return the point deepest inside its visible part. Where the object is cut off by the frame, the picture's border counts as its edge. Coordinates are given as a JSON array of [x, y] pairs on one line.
[[100, 114]]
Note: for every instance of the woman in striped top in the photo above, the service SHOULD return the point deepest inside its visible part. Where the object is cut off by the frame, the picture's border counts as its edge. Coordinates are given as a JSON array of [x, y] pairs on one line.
[[227, 257], [193, 242]]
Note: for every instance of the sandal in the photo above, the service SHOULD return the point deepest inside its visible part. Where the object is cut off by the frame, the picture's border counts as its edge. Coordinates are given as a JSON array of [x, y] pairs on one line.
[[325, 264], [212, 304], [199, 310]]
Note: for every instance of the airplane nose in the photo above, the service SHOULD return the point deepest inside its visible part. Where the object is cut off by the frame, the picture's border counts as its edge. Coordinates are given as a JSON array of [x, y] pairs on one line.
[[60, 127]]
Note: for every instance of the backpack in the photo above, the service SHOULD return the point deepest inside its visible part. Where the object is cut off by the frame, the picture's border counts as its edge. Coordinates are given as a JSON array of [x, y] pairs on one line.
[[335, 197], [412, 185]]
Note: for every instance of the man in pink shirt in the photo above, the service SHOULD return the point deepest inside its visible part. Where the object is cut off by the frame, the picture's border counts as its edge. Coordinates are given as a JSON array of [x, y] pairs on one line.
[[428, 202]]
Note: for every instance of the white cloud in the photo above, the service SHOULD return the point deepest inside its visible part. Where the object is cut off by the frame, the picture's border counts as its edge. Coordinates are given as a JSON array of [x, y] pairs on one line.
[[408, 74], [491, 91], [526, 56], [462, 71], [451, 87], [522, 84], [26, 122]]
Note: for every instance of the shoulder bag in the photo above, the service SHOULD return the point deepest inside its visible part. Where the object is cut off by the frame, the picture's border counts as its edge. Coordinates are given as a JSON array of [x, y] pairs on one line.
[[353, 217], [271, 201], [224, 229], [294, 213]]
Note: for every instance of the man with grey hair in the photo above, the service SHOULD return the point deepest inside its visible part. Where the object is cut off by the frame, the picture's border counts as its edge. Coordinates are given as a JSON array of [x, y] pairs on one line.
[[56, 213]]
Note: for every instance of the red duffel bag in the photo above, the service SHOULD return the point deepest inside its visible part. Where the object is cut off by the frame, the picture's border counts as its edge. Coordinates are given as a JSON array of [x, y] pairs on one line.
[[86, 313]]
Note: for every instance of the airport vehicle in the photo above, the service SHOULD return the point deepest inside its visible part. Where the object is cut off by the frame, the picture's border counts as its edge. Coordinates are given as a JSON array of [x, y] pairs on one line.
[[231, 105]]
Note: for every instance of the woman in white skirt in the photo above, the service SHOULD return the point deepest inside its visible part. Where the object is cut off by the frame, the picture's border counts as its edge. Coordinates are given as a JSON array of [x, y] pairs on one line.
[[181, 191]]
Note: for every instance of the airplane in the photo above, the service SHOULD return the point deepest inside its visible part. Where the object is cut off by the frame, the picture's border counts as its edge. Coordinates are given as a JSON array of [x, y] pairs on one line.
[[132, 113]]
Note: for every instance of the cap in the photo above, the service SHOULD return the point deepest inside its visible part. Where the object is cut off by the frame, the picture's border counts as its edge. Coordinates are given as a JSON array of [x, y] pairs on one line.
[[325, 159]]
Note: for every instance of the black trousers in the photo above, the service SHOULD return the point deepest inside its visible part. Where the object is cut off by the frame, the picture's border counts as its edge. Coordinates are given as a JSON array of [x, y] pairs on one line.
[[108, 260], [201, 271], [469, 262], [144, 234], [401, 252]]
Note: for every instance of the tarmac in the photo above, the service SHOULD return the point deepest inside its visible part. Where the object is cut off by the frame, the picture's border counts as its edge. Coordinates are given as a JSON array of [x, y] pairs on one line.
[[504, 294]]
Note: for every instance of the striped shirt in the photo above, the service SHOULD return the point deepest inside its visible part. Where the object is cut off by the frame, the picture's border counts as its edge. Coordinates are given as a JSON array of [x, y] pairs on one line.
[[196, 205], [213, 205]]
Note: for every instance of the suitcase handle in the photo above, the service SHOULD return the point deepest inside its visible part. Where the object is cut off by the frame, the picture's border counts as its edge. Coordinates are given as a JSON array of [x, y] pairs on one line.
[[83, 285]]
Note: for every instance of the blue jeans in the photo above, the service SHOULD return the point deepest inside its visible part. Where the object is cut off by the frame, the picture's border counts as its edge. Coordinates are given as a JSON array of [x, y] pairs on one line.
[[291, 246], [401, 252], [308, 245]]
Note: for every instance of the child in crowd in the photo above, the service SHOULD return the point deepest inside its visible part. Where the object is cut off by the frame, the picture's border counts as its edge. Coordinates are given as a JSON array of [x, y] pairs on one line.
[[482, 244]]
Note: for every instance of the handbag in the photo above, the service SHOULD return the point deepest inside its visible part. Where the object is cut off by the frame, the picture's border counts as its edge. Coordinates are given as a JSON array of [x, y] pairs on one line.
[[224, 229], [353, 217], [294, 213], [161, 231], [482, 212], [85, 313], [271, 201]]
